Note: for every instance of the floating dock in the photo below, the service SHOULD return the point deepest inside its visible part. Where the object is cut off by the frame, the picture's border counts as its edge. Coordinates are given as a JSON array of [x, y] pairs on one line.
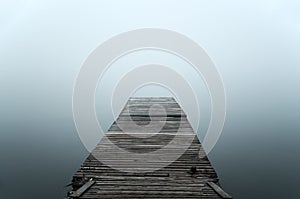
[[150, 151]]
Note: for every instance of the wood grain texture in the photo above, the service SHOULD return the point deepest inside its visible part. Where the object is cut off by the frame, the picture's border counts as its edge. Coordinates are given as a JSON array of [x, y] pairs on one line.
[[189, 176]]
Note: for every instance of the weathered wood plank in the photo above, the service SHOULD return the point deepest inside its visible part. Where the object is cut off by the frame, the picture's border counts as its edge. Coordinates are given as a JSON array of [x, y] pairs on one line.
[[218, 189], [190, 176], [81, 190]]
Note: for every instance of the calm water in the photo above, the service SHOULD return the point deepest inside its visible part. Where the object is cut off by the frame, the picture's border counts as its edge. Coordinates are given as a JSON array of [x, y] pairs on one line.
[[257, 155]]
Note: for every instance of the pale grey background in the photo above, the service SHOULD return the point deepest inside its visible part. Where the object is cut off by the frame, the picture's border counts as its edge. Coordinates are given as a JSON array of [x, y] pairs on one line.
[[254, 44]]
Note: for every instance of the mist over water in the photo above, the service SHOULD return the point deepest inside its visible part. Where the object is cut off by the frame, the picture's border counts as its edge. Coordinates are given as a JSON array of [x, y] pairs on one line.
[[255, 45]]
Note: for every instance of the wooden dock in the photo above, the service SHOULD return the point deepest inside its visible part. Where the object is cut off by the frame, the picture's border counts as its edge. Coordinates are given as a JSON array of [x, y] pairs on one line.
[[111, 170]]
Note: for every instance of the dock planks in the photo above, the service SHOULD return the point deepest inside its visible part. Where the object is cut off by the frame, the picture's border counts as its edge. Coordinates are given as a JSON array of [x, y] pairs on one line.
[[131, 160]]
